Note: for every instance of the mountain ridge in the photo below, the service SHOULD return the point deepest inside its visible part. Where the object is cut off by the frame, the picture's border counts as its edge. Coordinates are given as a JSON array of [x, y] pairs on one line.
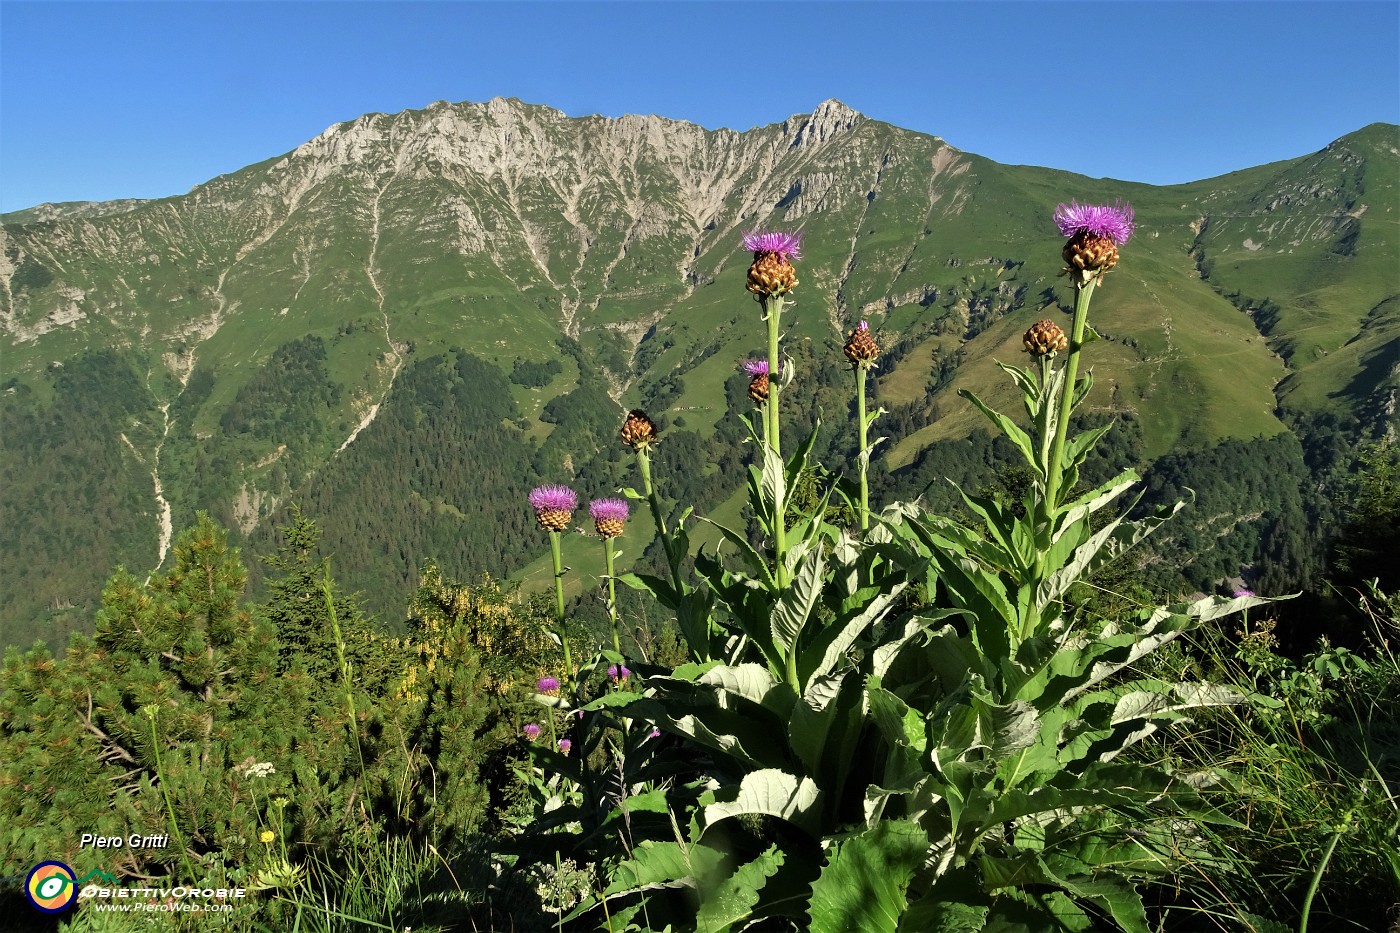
[[594, 244]]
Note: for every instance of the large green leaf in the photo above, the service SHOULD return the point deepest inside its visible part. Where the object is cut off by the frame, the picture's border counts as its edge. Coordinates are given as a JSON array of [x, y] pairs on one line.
[[663, 865], [794, 606], [813, 717], [733, 899], [772, 792], [828, 648], [1013, 432], [863, 885]]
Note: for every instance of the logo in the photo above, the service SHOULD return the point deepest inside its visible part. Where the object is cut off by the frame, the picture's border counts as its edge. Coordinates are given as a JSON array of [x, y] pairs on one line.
[[51, 887]]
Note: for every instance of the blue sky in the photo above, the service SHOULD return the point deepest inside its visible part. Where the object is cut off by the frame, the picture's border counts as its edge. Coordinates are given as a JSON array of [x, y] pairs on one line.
[[109, 100]]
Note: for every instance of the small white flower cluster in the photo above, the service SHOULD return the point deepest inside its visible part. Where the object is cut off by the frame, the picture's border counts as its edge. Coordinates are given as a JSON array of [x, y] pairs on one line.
[[560, 890], [260, 769]]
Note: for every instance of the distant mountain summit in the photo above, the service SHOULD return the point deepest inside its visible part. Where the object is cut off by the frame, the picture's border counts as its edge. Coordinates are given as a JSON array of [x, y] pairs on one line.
[[239, 346]]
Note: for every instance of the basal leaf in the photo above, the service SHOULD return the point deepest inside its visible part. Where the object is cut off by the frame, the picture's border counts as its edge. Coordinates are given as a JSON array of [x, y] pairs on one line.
[[863, 885], [772, 792], [734, 898]]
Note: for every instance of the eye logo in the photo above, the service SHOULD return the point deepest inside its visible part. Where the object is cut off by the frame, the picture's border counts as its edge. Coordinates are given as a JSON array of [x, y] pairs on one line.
[[51, 887]]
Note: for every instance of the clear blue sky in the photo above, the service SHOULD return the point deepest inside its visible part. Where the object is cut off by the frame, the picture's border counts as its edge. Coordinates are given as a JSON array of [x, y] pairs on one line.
[[109, 100]]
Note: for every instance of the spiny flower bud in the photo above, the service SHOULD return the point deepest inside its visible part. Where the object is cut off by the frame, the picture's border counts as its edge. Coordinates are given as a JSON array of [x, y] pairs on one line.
[[1095, 232], [861, 348], [1044, 339], [608, 516], [554, 506], [771, 273], [638, 430]]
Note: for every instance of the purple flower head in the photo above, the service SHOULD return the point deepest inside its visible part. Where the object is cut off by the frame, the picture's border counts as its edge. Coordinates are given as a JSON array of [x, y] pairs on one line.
[[617, 673], [786, 245], [553, 499], [864, 327], [756, 367], [608, 510], [564, 746], [655, 733], [1115, 222], [548, 685], [532, 731], [1239, 593]]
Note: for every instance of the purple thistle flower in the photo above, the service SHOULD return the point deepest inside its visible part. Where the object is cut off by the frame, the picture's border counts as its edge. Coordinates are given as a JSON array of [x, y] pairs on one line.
[[548, 685], [786, 245], [1115, 222], [863, 327], [1239, 593], [532, 731], [758, 367], [617, 673], [553, 499], [655, 733], [608, 510], [564, 746]]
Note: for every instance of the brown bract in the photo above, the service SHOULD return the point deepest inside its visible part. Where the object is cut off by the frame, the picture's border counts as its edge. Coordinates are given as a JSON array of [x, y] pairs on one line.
[[638, 430], [1088, 253], [608, 527], [1044, 338], [771, 274], [860, 346], [758, 388], [554, 519]]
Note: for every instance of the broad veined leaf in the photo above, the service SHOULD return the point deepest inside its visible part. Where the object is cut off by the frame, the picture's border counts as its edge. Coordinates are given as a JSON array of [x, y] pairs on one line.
[[1115, 895], [1013, 432], [663, 865], [863, 885], [813, 717], [664, 592], [752, 558], [748, 743], [733, 899], [772, 792], [828, 649], [794, 605], [1107, 543], [897, 722], [750, 681]]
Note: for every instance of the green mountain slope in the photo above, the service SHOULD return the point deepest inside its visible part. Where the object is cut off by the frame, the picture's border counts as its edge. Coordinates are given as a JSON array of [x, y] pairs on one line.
[[284, 325]]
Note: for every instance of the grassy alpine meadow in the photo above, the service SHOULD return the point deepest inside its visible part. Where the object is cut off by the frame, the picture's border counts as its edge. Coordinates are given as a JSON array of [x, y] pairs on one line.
[[818, 711]]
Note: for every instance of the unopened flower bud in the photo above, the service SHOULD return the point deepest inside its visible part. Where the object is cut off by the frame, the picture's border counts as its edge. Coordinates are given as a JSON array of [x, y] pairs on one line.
[[861, 348], [1045, 338], [638, 430]]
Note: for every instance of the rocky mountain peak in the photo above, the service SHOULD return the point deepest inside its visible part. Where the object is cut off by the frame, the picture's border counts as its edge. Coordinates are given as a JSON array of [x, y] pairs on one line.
[[827, 120]]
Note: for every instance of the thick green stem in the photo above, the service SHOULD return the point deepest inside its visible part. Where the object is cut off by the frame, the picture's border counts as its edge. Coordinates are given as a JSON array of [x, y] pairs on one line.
[[1082, 294], [165, 792], [773, 311], [346, 675], [1317, 880], [612, 594], [864, 462], [559, 601], [673, 560]]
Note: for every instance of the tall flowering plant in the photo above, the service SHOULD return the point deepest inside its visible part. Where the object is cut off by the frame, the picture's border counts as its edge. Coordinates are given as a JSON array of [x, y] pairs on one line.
[[554, 511], [950, 762]]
